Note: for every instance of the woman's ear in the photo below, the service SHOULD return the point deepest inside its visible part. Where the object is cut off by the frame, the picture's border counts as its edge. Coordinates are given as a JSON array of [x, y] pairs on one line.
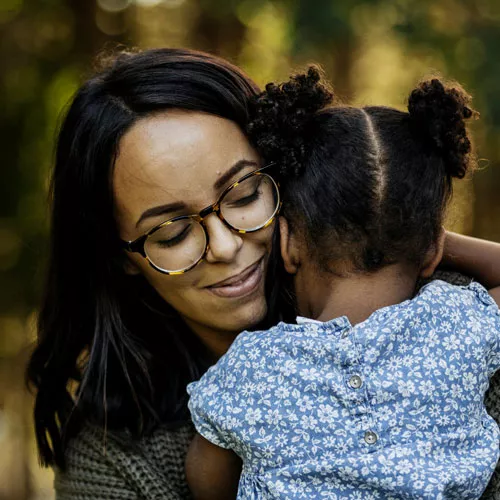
[[128, 265], [433, 257], [289, 250]]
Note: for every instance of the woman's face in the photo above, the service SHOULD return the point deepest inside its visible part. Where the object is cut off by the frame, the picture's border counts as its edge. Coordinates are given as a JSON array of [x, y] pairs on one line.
[[177, 163]]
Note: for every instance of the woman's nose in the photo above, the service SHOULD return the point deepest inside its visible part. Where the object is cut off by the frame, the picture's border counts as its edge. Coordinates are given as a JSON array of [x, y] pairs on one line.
[[223, 243]]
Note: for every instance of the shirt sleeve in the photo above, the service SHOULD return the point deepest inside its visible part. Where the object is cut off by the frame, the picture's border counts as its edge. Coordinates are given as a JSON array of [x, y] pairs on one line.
[[488, 321], [215, 401]]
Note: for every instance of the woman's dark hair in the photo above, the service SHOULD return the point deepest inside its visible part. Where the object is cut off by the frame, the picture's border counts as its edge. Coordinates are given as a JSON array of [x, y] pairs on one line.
[[110, 351], [368, 186]]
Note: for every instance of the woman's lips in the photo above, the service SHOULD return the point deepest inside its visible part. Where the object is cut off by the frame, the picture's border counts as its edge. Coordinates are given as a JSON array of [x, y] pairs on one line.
[[244, 285]]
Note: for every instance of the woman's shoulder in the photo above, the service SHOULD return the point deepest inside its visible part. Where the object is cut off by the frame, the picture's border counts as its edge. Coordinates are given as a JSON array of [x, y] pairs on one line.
[[110, 465], [451, 277]]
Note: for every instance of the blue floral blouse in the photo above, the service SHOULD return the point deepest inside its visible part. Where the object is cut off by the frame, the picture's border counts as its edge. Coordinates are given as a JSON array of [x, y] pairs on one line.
[[389, 408]]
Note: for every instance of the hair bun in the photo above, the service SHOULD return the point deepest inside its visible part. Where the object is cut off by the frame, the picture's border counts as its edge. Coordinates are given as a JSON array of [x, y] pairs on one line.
[[280, 117], [439, 113]]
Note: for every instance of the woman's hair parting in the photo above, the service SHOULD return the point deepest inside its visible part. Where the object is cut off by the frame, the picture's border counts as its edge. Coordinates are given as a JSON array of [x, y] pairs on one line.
[[365, 186]]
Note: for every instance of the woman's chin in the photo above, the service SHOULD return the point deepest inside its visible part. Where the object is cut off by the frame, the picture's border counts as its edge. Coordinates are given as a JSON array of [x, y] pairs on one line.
[[218, 331], [234, 320], [249, 317]]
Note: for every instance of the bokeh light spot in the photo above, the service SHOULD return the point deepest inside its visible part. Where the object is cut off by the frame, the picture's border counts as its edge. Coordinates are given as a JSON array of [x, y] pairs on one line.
[[149, 3], [113, 5]]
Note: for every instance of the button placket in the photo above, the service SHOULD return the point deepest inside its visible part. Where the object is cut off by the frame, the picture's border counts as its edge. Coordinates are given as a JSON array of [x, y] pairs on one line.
[[359, 396]]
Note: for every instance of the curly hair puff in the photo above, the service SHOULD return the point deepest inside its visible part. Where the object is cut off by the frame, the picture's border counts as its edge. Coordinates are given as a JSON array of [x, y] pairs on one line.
[[439, 112], [280, 118]]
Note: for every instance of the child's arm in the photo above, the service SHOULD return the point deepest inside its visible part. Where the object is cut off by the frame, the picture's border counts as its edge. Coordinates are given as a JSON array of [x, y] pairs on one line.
[[473, 257], [212, 472], [495, 293]]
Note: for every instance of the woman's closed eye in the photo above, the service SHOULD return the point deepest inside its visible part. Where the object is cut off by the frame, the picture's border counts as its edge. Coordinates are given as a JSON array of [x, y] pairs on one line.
[[174, 237], [246, 200]]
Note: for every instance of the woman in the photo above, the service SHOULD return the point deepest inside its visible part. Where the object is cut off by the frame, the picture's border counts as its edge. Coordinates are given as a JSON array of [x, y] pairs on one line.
[[137, 303]]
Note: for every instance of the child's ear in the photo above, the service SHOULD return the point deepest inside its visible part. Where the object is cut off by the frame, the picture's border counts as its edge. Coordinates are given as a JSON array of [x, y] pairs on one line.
[[289, 250], [433, 257]]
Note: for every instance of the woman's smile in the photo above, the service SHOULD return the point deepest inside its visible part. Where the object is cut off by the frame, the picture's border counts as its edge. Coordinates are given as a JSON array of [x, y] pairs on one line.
[[240, 284]]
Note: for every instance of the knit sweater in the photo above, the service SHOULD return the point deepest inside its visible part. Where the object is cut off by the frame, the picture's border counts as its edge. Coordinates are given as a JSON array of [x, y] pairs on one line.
[[103, 467]]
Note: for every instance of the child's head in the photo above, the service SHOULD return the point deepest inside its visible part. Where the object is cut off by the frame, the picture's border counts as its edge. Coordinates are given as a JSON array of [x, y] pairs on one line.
[[364, 187]]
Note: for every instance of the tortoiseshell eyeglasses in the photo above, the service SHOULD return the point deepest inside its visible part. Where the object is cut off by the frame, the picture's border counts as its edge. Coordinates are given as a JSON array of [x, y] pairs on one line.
[[178, 244]]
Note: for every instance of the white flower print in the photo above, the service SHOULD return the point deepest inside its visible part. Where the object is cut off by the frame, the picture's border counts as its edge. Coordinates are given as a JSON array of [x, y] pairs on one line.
[[451, 342], [406, 387], [253, 415], [273, 417], [327, 413], [282, 392], [308, 422], [281, 400], [309, 373], [404, 466], [430, 363], [305, 403]]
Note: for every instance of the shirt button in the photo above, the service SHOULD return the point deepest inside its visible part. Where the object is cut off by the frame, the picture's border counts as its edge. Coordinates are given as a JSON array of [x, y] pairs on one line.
[[370, 437], [355, 382], [345, 333]]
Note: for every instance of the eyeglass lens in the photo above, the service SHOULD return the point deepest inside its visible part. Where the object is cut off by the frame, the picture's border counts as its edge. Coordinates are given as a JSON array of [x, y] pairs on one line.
[[248, 206]]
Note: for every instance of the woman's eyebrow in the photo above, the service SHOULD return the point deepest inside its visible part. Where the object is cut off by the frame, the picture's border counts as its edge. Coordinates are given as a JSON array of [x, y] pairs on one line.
[[219, 183], [231, 172], [161, 210]]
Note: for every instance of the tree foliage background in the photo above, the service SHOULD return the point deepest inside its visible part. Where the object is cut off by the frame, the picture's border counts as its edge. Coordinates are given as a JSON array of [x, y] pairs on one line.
[[373, 51]]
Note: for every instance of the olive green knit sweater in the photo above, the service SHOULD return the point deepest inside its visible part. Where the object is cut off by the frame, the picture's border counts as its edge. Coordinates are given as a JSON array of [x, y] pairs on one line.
[[101, 468]]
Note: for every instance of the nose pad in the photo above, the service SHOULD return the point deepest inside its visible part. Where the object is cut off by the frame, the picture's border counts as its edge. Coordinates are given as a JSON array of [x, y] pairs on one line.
[[223, 243]]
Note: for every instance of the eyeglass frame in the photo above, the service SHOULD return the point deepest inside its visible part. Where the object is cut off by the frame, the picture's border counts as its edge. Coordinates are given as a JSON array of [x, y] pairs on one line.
[[137, 245]]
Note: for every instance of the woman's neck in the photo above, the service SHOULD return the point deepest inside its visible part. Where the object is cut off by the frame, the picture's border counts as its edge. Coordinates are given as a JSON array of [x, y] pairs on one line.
[[217, 342], [357, 295]]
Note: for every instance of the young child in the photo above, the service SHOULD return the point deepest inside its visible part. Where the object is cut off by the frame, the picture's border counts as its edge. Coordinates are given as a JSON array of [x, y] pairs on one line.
[[375, 393]]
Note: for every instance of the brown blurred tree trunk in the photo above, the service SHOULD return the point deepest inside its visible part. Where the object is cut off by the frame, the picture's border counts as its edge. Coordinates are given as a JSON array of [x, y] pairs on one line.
[[222, 34], [89, 39], [337, 61]]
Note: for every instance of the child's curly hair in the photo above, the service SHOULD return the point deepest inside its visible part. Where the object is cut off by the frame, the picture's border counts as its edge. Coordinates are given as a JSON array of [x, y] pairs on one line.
[[365, 185], [281, 113]]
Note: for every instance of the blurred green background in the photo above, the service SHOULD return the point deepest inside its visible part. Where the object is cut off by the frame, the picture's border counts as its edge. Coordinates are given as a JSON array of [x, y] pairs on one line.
[[373, 51]]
